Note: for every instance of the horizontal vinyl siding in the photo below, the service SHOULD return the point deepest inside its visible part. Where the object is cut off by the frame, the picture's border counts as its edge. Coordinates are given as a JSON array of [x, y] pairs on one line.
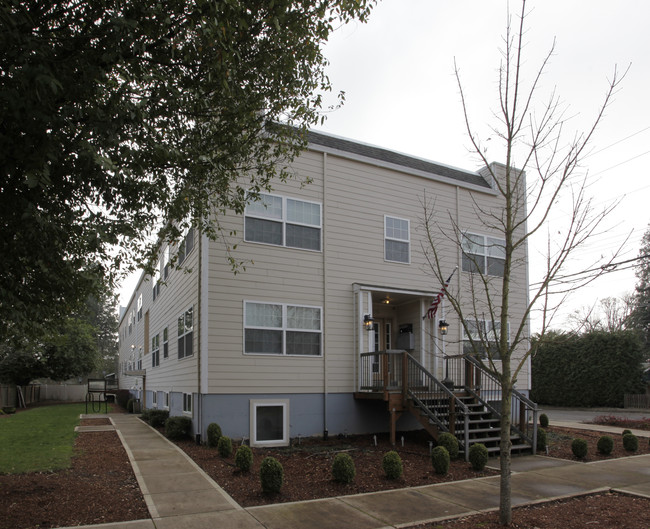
[[273, 274], [358, 197], [176, 296]]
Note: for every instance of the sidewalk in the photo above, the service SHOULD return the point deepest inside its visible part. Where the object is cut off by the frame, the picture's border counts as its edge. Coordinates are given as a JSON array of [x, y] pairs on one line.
[[179, 495]]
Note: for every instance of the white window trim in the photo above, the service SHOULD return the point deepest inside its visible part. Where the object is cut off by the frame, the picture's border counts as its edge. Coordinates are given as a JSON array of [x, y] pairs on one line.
[[258, 403], [140, 307], [155, 350], [283, 329], [284, 222], [186, 240], [489, 334], [185, 332], [166, 400], [483, 250], [154, 399], [188, 397], [387, 238]]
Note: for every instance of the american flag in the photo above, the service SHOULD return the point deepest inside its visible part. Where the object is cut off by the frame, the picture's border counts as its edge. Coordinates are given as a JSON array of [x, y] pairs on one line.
[[433, 308]]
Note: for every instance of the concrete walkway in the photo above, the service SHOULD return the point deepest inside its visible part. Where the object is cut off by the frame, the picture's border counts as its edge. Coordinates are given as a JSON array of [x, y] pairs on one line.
[[179, 495]]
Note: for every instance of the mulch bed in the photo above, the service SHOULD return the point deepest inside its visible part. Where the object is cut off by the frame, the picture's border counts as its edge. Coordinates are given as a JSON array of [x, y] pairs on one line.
[[308, 468], [100, 487], [559, 443], [604, 510]]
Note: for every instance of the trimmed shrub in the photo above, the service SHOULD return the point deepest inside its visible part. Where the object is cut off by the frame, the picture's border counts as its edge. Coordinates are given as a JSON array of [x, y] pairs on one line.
[[129, 405], [630, 442], [440, 460], [224, 446], [542, 440], [605, 445], [478, 456], [343, 468], [244, 458], [177, 428], [156, 418], [543, 420], [450, 443], [392, 465], [214, 433], [579, 448], [626, 431], [271, 475]]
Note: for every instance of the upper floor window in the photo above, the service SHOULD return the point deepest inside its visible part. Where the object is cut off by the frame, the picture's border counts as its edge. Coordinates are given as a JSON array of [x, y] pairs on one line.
[[165, 343], [484, 254], [155, 351], [397, 240], [186, 334], [275, 328], [485, 335], [155, 280], [165, 263], [130, 322], [185, 246], [139, 307], [284, 221]]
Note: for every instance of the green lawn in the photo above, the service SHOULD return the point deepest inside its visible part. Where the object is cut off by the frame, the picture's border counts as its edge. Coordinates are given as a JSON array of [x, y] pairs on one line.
[[40, 439]]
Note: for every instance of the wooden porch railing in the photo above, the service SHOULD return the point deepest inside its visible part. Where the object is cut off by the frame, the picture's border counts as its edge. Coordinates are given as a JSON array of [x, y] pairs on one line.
[[395, 372]]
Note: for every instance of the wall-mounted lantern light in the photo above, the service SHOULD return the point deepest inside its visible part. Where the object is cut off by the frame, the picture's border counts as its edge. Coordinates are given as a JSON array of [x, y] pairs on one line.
[[443, 326], [368, 322]]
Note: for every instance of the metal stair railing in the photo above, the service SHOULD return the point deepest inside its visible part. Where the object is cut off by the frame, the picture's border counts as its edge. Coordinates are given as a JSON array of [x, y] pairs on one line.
[[467, 372], [422, 387]]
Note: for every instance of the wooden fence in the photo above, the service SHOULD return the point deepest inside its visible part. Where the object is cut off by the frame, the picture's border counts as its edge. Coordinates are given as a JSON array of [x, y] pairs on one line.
[[636, 401], [9, 396]]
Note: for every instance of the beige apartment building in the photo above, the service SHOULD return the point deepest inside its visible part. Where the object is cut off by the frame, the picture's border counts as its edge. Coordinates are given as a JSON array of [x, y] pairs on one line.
[[336, 276]]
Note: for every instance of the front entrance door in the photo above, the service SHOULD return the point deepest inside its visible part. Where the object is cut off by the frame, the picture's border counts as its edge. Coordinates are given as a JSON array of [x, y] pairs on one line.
[[383, 334]]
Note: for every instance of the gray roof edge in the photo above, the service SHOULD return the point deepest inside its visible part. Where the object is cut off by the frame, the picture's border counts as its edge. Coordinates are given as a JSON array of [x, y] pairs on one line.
[[394, 158]]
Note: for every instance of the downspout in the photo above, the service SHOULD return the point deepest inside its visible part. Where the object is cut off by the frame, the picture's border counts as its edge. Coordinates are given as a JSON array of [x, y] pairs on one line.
[[198, 343], [324, 330], [459, 262]]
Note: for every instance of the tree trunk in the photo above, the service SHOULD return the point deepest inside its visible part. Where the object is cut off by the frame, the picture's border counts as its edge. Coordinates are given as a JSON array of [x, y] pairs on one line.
[[505, 497]]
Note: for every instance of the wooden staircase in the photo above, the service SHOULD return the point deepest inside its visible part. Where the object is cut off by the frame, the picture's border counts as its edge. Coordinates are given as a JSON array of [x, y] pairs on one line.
[[460, 404]]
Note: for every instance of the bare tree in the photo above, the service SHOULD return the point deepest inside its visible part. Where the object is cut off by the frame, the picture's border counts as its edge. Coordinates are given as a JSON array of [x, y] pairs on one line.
[[492, 304], [609, 314]]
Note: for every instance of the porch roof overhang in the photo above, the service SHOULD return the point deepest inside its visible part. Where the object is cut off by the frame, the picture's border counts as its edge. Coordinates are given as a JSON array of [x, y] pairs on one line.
[[398, 295]]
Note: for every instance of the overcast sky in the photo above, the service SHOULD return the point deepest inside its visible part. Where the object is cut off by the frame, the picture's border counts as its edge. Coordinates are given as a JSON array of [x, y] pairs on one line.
[[398, 75]]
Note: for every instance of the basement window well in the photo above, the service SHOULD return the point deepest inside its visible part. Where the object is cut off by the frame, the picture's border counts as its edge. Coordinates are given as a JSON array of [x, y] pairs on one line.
[[269, 422]]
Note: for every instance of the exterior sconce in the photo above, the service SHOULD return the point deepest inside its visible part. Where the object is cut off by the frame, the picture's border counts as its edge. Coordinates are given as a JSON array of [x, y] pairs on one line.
[[443, 326], [368, 322]]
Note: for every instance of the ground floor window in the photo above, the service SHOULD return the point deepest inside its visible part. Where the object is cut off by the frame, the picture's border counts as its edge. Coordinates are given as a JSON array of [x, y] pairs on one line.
[[269, 422], [187, 402], [154, 399], [484, 335], [280, 329], [166, 399]]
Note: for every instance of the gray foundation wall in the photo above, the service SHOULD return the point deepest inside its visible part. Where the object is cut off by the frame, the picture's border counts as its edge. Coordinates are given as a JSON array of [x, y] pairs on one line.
[[345, 414]]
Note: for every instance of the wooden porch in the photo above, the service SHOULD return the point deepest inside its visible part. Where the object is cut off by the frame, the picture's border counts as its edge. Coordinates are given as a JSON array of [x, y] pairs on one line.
[[465, 404]]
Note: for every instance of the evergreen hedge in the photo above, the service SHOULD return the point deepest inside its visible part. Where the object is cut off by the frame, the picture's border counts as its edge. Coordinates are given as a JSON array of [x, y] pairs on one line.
[[587, 370]]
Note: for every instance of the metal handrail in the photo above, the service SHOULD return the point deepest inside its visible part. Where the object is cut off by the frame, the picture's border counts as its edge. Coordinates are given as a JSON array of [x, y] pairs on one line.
[[423, 388], [483, 385]]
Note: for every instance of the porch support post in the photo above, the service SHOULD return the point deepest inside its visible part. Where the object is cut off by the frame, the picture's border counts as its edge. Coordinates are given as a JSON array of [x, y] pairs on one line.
[[405, 377]]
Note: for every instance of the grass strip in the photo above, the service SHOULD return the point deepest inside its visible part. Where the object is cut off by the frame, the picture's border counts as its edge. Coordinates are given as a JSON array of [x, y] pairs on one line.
[[38, 440]]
